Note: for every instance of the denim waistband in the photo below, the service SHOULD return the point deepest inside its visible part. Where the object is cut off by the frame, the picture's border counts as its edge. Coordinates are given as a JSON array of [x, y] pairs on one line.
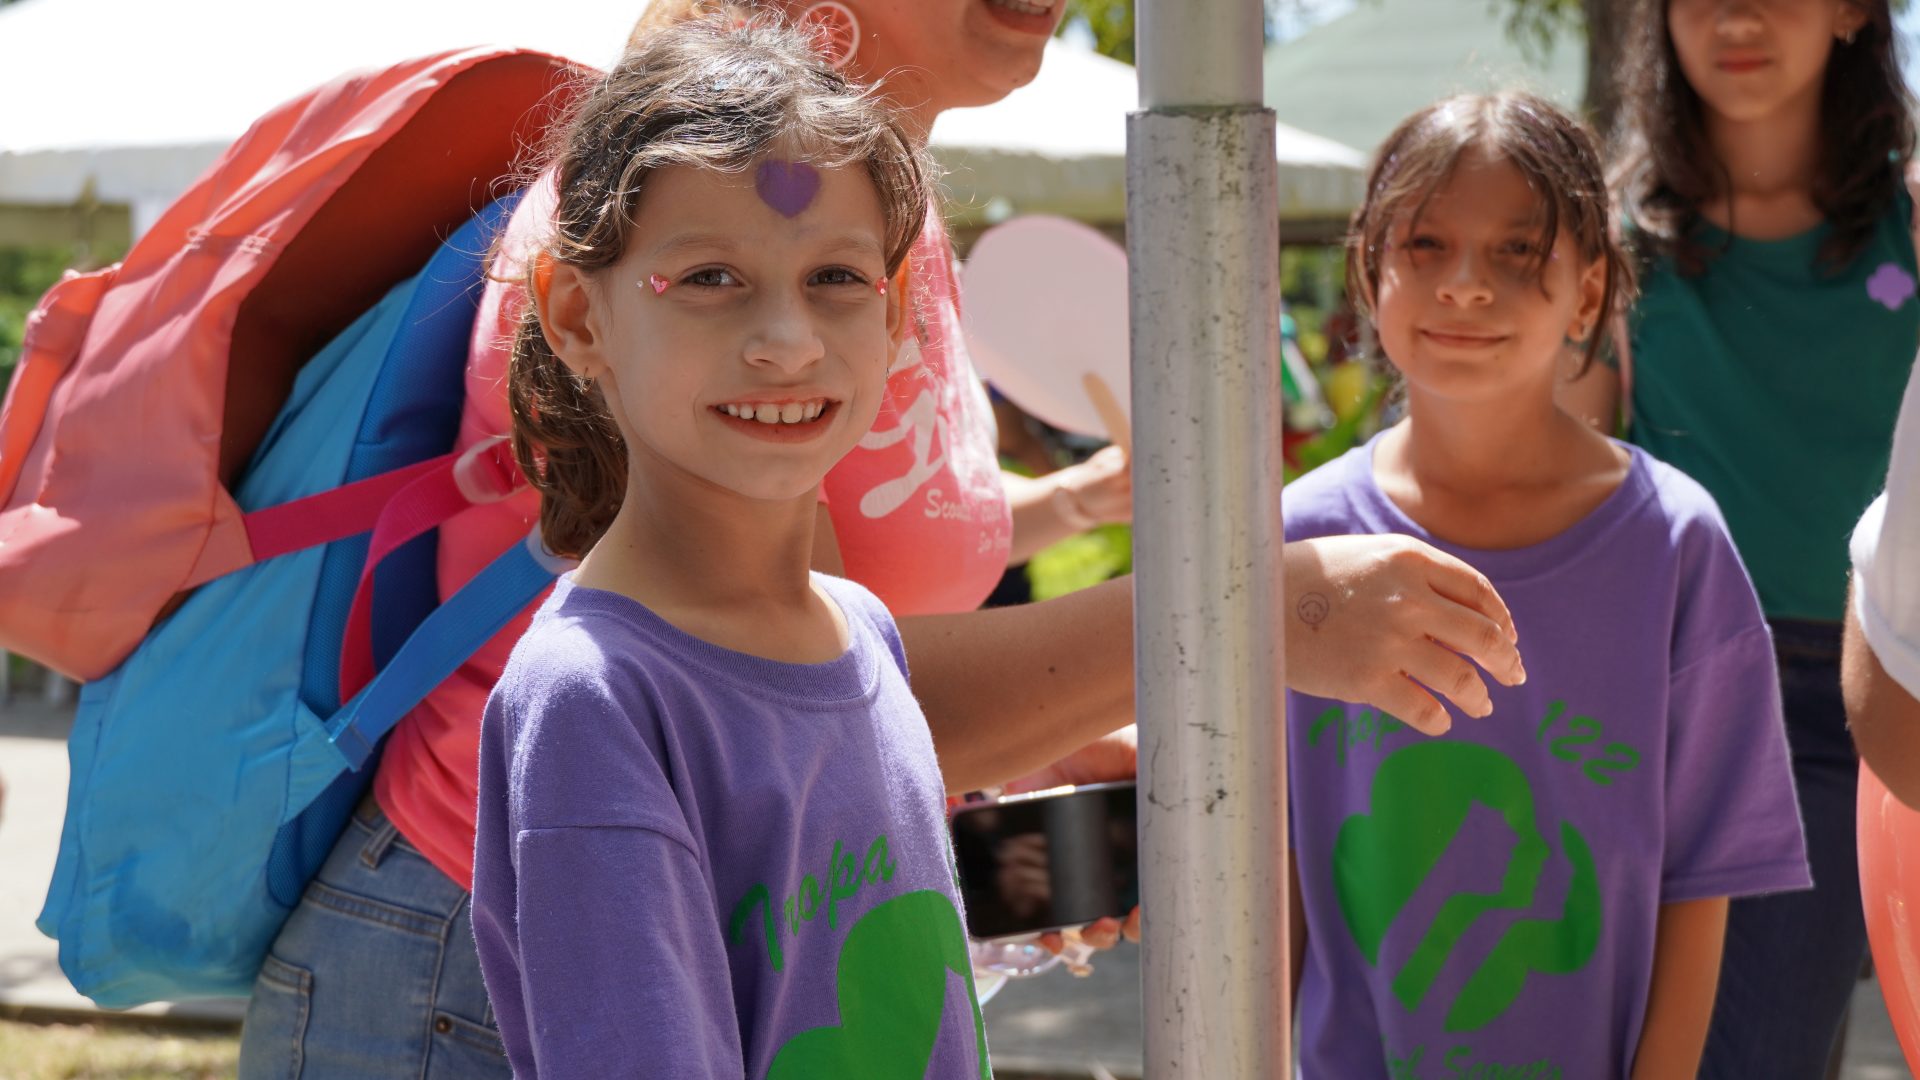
[[1813, 640]]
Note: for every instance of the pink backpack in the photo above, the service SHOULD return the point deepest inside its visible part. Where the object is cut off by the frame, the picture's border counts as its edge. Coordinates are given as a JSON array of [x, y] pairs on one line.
[[144, 388], [220, 466]]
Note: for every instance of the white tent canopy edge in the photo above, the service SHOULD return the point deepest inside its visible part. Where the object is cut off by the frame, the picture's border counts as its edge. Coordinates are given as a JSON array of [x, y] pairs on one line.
[[132, 115]]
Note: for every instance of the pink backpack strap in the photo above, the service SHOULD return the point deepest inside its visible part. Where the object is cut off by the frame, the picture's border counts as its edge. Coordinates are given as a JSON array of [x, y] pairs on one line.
[[485, 472], [331, 515]]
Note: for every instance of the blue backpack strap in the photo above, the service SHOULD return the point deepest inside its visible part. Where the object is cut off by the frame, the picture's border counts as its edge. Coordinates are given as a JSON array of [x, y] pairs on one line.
[[450, 635]]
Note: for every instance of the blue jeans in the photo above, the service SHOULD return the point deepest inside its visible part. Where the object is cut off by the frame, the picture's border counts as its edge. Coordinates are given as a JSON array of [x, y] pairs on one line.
[[1792, 960], [375, 975]]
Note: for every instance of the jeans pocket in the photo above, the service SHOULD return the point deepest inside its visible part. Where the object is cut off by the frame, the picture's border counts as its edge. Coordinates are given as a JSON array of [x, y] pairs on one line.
[[463, 1049], [274, 1043]]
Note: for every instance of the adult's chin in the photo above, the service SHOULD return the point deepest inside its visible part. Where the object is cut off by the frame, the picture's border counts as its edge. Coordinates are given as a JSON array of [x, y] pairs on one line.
[[1005, 49], [999, 72]]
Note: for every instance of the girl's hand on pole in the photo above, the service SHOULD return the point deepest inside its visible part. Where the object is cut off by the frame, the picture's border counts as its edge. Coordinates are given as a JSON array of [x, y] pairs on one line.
[[1394, 623]]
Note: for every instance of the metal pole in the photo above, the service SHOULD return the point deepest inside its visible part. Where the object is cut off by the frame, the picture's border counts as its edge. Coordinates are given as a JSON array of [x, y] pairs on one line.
[[1203, 250]]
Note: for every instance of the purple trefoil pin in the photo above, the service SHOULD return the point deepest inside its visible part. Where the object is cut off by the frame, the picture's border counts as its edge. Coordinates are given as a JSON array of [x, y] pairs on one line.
[[787, 186], [1891, 286]]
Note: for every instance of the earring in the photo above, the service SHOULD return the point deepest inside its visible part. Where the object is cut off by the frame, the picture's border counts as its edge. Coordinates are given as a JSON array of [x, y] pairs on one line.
[[836, 31], [1847, 38]]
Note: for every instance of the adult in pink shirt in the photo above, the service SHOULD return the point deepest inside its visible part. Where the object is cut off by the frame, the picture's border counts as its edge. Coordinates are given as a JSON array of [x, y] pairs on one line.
[[375, 974]]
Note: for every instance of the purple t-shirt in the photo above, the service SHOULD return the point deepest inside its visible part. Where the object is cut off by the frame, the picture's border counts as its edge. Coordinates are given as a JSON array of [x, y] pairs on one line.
[[1485, 903], [696, 863]]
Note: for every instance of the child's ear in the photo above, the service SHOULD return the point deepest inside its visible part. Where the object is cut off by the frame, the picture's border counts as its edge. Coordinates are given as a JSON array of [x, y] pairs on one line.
[[1593, 296], [896, 306], [565, 299], [899, 322]]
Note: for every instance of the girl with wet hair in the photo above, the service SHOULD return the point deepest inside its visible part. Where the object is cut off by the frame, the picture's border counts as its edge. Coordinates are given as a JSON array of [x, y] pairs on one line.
[[1540, 892]]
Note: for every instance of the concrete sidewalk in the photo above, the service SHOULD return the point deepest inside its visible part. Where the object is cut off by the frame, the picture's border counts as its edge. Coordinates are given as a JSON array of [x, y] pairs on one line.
[[1050, 1026]]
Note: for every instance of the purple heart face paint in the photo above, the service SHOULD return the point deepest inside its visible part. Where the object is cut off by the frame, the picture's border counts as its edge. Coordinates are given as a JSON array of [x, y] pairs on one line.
[[787, 186]]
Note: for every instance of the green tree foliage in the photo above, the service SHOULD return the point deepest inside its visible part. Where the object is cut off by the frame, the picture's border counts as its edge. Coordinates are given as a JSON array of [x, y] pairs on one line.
[[1111, 22], [1537, 24], [1534, 24]]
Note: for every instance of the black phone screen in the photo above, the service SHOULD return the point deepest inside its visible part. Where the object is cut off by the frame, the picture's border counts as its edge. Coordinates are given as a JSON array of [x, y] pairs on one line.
[[1048, 862]]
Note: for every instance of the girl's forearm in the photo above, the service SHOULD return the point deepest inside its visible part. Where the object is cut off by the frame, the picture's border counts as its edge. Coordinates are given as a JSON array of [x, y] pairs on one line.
[[1686, 972], [1008, 691], [1885, 718]]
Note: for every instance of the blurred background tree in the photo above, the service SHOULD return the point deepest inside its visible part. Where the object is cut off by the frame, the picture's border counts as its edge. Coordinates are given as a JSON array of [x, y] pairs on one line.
[[25, 273]]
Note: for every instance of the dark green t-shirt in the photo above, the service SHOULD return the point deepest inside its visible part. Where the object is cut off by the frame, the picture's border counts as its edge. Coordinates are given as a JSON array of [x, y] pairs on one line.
[[1776, 385]]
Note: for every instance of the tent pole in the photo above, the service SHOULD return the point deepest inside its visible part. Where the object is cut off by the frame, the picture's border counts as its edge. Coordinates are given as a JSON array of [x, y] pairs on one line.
[[1203, 252]]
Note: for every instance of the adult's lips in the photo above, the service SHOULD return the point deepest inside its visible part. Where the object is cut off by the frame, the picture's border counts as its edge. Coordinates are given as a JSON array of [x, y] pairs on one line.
[[1029, 16]]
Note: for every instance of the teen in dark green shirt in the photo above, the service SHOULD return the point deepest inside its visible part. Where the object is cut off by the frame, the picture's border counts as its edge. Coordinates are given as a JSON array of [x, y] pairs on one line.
[[1762, 179], [1775, 383]]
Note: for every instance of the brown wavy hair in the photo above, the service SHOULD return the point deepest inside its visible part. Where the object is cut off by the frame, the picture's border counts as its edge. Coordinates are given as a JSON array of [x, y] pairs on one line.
[[1666, 168], [1554, 152], [707, 94]]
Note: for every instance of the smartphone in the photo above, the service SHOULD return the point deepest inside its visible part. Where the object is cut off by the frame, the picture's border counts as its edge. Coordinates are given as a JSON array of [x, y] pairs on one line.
[[1049, 860]]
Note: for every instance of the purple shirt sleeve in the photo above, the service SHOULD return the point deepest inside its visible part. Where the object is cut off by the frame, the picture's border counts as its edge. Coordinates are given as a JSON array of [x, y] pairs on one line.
[[593, 915], [1731, 830], [1732, 822], [622, 969]]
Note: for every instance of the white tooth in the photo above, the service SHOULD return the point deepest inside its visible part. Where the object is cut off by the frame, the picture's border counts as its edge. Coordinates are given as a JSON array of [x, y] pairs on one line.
[[813, 409], [730, 410], [767, 414], [792, 411]]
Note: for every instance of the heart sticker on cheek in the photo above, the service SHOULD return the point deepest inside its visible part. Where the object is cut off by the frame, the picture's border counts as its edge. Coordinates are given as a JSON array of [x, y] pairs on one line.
[[787, 186]]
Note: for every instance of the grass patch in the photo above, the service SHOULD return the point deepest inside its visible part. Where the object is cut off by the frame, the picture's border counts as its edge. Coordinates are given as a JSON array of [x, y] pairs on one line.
[[115, 1051]]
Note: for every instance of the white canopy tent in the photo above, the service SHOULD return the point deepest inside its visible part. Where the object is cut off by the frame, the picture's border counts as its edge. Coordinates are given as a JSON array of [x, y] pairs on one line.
[[127, 101], [1059, 145]]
